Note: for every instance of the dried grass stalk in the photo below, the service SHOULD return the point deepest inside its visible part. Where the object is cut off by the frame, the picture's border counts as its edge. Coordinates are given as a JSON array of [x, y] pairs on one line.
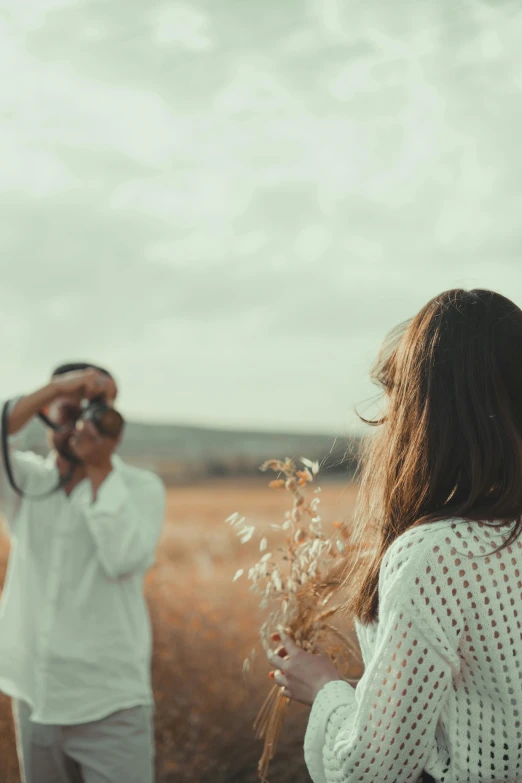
[[299, 579], [268, 725]]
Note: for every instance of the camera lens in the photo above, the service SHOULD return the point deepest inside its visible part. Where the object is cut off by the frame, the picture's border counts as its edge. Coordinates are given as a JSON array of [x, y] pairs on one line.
[[110, 422]]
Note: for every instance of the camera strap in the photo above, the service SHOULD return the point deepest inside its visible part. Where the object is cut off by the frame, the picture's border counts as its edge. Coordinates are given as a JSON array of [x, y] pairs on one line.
[[47, 421], [7, 461]]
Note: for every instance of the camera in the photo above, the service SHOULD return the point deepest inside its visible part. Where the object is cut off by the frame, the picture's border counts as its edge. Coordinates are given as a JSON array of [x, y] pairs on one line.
[[107, 420]]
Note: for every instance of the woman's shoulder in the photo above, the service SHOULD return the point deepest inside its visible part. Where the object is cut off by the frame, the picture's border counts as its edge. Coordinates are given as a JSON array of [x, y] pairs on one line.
[[425, 535], [415, 584], [444, 539], [431, 542]]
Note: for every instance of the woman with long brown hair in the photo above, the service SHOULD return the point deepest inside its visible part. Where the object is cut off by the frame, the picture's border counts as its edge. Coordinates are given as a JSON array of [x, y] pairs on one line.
[[438, 604]]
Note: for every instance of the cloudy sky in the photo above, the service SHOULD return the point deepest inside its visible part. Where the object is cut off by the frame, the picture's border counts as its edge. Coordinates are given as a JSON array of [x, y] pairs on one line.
[[230, 203]]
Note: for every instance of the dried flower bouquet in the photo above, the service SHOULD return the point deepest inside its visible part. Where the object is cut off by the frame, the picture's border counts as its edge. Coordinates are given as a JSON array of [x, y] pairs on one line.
[[297, 578]]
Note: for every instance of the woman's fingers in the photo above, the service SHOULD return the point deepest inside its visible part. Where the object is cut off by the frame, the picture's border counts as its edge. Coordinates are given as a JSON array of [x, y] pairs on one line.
[[282, 681], [280, 678], [288, 642], [276, 661]]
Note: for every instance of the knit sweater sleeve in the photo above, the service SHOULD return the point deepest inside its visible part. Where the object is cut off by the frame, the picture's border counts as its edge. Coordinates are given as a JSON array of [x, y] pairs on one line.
[[385, 728]]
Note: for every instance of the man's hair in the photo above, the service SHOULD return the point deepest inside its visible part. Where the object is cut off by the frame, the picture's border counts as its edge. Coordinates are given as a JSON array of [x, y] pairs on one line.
[[75, 366]]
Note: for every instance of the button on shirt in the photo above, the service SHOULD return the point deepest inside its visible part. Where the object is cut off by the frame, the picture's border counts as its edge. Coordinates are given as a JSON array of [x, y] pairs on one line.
[[75, 631]]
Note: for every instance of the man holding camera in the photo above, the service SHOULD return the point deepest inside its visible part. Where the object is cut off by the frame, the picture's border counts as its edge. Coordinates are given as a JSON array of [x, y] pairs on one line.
[[75, 632]]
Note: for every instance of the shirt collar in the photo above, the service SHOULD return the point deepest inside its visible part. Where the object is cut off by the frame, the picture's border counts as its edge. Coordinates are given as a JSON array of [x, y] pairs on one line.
[[117, 462]]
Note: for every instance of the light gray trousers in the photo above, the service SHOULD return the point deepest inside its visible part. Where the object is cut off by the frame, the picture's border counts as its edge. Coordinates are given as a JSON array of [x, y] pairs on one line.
[[115, 749]]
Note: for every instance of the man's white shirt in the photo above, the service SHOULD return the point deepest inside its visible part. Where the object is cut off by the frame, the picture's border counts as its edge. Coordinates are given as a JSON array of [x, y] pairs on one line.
[[75, 631]]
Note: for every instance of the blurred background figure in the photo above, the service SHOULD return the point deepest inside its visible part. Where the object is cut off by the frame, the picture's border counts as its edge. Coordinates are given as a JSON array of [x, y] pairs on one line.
[[75, 637], [230, 204]]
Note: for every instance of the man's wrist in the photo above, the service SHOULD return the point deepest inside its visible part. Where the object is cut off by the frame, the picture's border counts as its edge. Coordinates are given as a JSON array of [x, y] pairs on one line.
[[45, 395], [52, 390]]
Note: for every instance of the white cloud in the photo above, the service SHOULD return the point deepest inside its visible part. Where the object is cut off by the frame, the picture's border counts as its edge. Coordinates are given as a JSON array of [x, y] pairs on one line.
[[186, 198], [260, 206], [312, 242], [182, 25], [254, 87], [49, 104], [28, 169], [193, 251], [29, 15]]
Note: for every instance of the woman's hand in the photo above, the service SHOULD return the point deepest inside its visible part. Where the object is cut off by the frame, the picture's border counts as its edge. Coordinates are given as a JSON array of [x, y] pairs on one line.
[[301, 674]]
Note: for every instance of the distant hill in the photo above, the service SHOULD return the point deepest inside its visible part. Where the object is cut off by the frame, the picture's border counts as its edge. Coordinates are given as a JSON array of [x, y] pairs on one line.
[[181, 453]]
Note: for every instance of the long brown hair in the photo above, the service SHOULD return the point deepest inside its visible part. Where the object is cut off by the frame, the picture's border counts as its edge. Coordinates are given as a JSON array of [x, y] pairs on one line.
[[450, 443]]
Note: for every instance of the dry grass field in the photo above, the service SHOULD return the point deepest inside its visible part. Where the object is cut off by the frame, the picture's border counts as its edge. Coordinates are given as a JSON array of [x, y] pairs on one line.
[[204, 626]]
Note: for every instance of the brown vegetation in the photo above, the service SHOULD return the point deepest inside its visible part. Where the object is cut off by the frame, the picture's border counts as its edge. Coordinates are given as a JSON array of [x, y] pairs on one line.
[[204, 627]]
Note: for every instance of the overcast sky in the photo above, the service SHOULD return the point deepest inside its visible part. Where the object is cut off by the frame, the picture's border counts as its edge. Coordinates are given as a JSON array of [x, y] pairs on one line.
[[230, 203]]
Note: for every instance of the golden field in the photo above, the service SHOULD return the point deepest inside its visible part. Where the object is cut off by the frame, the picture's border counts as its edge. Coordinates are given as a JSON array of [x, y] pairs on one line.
[[204, 626]]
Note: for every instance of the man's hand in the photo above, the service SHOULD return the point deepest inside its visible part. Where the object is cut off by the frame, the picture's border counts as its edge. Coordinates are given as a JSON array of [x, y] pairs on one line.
[[85, 383], [76, 385]]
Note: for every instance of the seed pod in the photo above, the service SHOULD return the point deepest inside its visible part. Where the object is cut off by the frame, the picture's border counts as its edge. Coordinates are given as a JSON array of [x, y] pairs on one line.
[[295, 515]]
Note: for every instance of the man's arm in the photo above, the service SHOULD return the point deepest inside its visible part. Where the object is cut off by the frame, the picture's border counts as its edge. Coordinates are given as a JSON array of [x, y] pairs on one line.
[[24, 464], [125, 522], [20, 412], [85, 383], [27, 407]]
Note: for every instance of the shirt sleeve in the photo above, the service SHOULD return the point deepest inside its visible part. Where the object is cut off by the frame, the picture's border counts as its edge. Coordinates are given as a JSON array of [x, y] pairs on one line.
[[125, 522], [24, 465], [385, 728]]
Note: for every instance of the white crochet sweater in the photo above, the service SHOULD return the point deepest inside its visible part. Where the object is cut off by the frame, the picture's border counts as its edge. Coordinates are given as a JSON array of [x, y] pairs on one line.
[[442, 687]]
